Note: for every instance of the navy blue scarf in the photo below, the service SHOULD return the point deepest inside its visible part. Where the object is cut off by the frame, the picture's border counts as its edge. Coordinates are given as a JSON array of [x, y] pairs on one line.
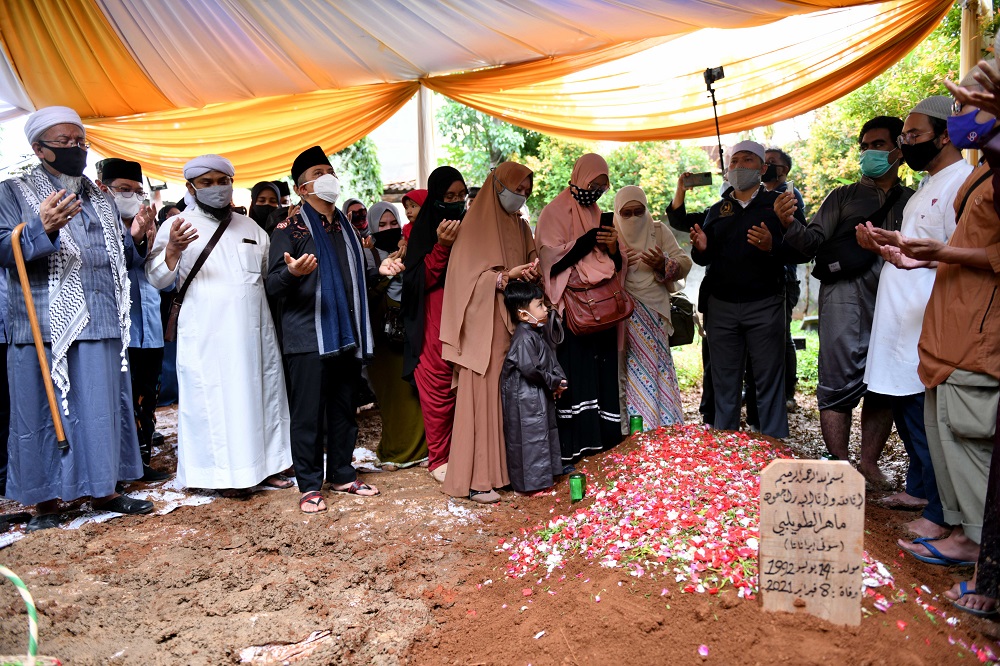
[[334, 325]]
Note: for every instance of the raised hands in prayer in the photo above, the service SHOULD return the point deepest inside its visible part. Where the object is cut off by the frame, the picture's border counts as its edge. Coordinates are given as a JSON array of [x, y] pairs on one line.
[[785, 207], [56, 211], [760, 237], [447, 232], [182, 234], [304, 265]]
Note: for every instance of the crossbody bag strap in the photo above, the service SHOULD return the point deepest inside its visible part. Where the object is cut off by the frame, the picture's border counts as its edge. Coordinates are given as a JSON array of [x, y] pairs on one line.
[[879, 216], [201, 260], [968, 193]]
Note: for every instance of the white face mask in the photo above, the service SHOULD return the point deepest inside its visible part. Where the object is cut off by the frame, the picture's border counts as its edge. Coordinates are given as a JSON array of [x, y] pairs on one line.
[[536, 322], [215, 196], [326, 187], [128, 207]]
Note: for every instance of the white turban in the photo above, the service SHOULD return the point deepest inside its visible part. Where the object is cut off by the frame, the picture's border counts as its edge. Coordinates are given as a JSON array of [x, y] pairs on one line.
[[750, 147], [202, 165], [43, 119]]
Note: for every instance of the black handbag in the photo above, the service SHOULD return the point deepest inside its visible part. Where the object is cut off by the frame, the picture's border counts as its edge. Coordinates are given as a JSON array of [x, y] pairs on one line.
[[682, 316]]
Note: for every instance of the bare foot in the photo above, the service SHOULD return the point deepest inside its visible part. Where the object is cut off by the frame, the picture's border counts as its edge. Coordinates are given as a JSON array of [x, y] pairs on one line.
[[875, 478], [903, 500], [925, 528]]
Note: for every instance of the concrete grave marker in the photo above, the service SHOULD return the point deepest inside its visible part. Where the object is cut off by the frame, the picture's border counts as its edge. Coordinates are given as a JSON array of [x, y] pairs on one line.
[[812, 520]]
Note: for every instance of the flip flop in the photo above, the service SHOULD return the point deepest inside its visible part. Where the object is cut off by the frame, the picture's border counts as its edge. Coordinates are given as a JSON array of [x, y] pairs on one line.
[[313, 497], [279, 481], [963, 588], [938, 558], [355, 487]]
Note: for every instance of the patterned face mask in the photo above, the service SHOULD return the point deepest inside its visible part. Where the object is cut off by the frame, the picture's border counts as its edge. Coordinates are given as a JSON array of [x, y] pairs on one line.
[[586, 197]]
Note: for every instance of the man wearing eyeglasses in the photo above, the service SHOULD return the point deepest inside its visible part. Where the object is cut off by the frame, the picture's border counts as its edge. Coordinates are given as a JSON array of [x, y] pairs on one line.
[[891, 368], [78, 252], [122, 179], [849, 277]]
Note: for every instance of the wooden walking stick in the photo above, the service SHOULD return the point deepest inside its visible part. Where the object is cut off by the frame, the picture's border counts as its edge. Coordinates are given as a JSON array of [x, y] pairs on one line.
[[36, 333]]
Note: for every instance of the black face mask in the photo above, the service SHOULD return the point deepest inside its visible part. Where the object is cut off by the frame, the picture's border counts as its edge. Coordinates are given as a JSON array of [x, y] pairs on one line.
[[261, 212], [387, 240], [70, 161], [586, 198], [771, 174], [454, 210], [919, 155]]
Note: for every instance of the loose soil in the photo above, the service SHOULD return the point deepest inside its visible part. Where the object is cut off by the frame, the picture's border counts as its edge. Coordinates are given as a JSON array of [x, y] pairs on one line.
[[413, 577]]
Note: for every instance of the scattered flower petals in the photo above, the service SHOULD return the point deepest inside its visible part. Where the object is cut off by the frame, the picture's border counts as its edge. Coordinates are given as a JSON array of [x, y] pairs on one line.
[[703, 650], [539, 635], [526, 592]]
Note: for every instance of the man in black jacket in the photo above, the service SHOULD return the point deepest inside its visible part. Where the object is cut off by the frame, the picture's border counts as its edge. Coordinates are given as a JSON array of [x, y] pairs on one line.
[[743, 294], [317, 276]]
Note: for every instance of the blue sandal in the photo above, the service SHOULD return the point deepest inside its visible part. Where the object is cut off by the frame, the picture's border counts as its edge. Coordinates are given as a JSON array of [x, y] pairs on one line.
[[963, 588], [938, 558]]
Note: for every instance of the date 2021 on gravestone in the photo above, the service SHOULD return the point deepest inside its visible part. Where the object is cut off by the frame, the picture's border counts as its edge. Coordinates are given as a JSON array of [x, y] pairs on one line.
[[812, 520]]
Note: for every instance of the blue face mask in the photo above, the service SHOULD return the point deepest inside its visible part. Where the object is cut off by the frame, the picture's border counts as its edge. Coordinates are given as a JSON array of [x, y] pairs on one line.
[[875, 163], [965, 132]]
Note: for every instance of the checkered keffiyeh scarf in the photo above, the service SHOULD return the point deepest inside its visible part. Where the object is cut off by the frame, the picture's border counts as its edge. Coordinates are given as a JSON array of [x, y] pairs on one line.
[[68, 314]]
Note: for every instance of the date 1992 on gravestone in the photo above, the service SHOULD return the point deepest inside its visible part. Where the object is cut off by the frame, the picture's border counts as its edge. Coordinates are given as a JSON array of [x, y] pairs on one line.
[[812, 519]]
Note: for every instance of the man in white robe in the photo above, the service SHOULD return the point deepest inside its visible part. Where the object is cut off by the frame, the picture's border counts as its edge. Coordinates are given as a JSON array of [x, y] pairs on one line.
[[232, 426], [903, 291]]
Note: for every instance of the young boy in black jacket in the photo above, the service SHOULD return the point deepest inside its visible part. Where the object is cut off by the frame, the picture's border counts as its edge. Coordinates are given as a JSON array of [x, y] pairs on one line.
[[530, 381]]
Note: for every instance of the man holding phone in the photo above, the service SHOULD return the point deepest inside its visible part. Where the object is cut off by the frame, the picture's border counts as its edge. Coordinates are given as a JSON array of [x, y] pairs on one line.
[[743, 293]]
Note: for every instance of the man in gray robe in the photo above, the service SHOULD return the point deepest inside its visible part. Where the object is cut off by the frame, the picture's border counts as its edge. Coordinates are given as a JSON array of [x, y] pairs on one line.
[[77, 252], [849, 277]]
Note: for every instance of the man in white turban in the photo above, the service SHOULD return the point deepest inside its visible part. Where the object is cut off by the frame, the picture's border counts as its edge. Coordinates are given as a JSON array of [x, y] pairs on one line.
[[232, 427], [78, 252]]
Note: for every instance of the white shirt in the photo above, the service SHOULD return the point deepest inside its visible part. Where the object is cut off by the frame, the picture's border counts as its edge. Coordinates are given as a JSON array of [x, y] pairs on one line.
[[902, 294]]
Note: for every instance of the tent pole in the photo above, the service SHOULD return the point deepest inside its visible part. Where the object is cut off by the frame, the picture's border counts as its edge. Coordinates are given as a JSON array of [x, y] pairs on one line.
[[426, 161], [971, 46]]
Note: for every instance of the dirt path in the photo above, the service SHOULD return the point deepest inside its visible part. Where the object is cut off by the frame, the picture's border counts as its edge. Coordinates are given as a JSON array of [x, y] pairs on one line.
[[402, 578]]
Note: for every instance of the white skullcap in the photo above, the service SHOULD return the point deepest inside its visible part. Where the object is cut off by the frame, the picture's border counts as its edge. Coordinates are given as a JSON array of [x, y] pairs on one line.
[[205, 163], [750, 147], [935, 106], [50, 116], [968, 80]]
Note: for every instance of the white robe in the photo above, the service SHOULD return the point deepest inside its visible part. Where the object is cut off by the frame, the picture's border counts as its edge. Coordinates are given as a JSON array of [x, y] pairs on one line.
[[232, 425], [902, 295]]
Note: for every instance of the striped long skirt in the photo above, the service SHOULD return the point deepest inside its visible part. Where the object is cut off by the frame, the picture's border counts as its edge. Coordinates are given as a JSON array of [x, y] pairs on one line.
[[649, 382], [588, 413]]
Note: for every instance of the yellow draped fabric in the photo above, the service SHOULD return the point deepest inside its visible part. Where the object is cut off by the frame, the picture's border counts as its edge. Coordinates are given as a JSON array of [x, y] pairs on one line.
[[153, 92], [66, 53], [260, 137], [770, 76]]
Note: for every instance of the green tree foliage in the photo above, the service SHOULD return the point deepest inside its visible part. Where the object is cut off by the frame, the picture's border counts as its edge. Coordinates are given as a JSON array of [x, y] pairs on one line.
[[476, 142], [655, 167], [359, 171], [552, 166], [830, 156]]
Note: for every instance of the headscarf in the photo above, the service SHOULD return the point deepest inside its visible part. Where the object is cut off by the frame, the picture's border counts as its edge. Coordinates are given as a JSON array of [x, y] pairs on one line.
[[421, 242], [418, 197], [491, 240], [375, 214], [639, 234], [363, 229], [562, 222], [261, 213], [41, 120]]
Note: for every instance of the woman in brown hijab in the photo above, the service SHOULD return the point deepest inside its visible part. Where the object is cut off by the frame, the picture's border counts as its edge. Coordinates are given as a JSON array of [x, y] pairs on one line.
[[494, 246], [570, 238]]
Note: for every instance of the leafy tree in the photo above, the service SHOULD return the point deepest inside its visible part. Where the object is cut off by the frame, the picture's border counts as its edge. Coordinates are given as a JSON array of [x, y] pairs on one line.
[[552, 167], [830, 156], [655, 166], [359, 171], [476, 142]]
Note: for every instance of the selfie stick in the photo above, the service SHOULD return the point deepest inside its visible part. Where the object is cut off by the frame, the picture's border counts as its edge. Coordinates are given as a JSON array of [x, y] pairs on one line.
[[710, 78]]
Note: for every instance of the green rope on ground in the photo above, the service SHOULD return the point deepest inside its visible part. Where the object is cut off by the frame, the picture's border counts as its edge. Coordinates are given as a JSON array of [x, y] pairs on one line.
[[32, 613]]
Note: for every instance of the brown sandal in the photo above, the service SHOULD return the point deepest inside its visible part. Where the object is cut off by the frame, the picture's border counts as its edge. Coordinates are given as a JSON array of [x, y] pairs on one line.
[[355, 487], [312, 498]]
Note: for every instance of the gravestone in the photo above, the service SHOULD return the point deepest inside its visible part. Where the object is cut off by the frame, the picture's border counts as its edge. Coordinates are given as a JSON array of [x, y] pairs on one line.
[[812, 520]]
